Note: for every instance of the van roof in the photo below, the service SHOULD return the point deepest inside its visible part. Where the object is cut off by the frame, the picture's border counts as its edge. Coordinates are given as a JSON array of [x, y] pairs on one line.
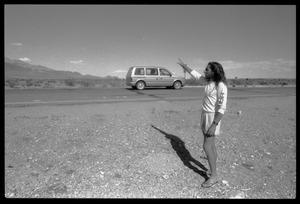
[[148, 67]]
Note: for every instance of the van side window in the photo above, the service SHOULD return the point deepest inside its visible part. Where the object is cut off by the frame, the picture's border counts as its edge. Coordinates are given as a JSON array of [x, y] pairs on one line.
[[139, 71], [151, 71], [164, 72]]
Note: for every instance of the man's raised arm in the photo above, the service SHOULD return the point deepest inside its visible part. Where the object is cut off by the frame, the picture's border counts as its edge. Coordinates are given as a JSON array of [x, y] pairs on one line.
[[192, 72]]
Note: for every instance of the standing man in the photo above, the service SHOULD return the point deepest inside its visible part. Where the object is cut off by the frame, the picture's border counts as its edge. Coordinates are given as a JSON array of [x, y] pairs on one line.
[[213, 109]]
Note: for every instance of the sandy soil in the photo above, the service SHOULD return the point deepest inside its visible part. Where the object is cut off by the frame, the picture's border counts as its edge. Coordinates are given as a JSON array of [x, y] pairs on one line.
[[149, 150]]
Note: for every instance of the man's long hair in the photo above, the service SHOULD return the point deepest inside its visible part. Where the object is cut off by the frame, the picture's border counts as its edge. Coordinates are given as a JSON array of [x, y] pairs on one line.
[[219, 74]]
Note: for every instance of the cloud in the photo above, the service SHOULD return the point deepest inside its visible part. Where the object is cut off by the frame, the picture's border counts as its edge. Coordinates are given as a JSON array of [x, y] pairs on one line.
[[80, 62], [232, 65], [279, 68], [25, 59], [275, 64], [17, 44], [119, 71], [272, 65], [200, 61]]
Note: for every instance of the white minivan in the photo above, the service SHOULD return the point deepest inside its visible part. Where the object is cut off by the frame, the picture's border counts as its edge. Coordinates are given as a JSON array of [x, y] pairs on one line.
[[140, 77]]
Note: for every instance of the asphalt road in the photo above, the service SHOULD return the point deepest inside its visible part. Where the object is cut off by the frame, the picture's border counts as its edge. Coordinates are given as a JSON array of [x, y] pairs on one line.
[[30, 97]]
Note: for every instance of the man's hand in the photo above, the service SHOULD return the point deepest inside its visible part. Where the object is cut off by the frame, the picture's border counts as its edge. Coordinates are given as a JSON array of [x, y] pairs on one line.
[[211, 131], [181, 62], [184, 66], [217, 118]]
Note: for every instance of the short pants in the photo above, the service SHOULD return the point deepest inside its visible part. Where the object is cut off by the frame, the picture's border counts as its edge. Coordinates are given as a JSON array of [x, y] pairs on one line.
[[207, 119]]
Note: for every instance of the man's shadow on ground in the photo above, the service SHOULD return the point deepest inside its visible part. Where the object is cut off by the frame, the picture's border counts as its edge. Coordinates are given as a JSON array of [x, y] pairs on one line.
[[184, 154]]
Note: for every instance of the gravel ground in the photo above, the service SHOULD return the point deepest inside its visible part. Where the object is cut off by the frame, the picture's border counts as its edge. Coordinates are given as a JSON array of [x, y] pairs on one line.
[[149, 150]]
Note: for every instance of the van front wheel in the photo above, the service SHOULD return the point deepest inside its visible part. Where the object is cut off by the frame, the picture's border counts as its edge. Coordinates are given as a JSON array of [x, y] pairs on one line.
[[177, 85], [140, 85]]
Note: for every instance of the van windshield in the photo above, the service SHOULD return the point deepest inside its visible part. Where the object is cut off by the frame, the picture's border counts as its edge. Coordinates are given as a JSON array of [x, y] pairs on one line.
[[165, 72]]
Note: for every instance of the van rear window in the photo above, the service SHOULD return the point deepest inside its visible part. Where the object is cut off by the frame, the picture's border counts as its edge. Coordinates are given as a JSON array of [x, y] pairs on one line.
[[129, 72], [139, 71]]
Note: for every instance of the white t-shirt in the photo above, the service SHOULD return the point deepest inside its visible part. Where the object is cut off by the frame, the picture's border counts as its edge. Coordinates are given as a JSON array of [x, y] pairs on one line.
[[215, 98]]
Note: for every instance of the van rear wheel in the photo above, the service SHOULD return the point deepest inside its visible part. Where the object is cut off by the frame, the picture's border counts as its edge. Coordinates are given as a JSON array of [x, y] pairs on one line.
[[140, 85]]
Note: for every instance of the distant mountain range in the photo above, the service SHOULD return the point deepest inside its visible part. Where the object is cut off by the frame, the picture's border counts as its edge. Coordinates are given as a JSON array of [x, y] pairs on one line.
[[23, 70]]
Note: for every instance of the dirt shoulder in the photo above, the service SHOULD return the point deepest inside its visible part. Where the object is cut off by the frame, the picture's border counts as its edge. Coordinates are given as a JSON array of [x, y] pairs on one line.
[[150, 149]]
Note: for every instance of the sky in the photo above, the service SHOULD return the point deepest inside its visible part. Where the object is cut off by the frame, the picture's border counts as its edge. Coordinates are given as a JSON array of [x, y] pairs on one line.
[[250, 41]]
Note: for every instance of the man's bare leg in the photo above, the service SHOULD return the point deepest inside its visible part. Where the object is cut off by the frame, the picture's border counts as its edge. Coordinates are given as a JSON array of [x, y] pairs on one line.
[[210, 150]]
